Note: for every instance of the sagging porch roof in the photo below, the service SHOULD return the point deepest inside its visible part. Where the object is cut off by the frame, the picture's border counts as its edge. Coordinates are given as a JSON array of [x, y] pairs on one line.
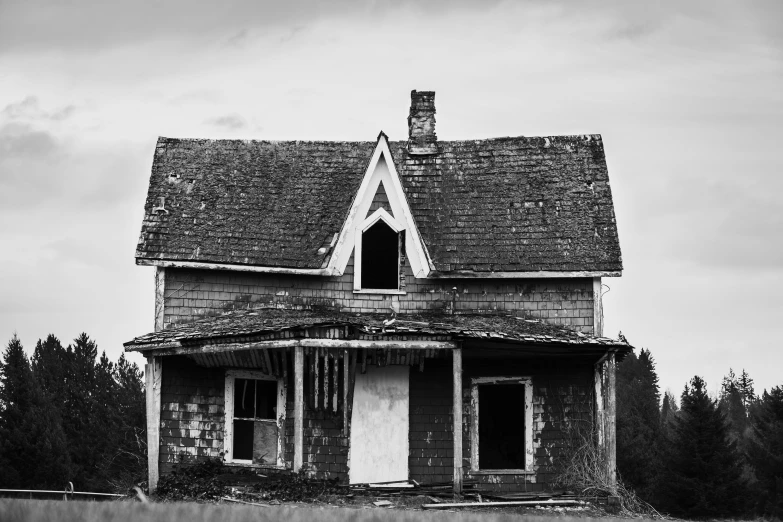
[[261, 325]]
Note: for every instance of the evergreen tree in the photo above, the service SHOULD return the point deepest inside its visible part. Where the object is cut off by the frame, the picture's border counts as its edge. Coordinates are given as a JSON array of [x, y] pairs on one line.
[[33, 451], [104, 422], [129, 463], [745, 387], [669, 411], [638, 422], [79, 409], [765, 451], [731, 403], [704, 466], [50, 363]]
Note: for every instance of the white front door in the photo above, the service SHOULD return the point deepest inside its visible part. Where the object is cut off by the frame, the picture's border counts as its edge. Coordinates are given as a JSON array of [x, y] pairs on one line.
[[379, 425]]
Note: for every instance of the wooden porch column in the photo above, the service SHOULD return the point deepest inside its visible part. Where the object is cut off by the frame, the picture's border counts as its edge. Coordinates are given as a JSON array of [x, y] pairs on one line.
[[606, 411], [298, 406], [457, 414], [160, 288], [153, 371]]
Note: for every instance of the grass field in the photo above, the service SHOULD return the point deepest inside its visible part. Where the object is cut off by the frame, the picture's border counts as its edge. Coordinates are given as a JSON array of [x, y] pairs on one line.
[[127, 511]]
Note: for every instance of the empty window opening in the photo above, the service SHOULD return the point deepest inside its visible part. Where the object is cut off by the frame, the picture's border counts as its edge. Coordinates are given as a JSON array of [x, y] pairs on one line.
[[380, 257], [501, 426], [255, 420]]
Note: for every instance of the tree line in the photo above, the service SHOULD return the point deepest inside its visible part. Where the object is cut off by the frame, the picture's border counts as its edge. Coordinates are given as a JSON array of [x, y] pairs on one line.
[[706, 456], [67, 415]]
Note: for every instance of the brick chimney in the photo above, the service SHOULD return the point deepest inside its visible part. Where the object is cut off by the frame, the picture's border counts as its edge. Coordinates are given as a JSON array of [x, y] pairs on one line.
[[421, 123]]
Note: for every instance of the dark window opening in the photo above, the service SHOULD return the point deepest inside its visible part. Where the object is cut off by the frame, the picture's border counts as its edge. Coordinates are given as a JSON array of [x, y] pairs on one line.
[[254, 400], [501, 420], [380, 257]]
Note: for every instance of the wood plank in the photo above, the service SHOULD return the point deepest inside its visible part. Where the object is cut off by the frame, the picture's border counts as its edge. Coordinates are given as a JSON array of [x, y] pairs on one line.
[[457, 417], [326, 378], [598, 313], [160, 300], [313, 381], [176, 348], [610, 418], [474, 427], [335, 381], [267, 363], [154, 377], [346, 381], [284, 361], [451, 505], [317, 387], [298, 407]]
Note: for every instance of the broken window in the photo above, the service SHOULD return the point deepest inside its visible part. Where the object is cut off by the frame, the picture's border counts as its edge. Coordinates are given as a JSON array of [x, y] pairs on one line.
[[380, 257], [502, 432], [254, 406]]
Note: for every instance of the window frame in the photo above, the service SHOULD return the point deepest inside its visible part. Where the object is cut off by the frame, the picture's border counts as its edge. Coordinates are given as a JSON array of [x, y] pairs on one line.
[[388, 219], [475, 382], [228, 427]]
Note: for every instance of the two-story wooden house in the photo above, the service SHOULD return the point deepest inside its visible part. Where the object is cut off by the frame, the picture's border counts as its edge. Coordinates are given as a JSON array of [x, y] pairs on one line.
[[380, 310]]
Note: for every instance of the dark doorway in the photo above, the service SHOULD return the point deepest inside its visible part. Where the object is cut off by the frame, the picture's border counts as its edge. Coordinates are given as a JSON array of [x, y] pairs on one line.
[[501, 420], [380, 257]]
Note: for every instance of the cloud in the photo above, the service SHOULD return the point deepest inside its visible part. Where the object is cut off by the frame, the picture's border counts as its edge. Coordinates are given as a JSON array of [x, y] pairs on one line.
[[29, 109], [229, 121], [23, 141]]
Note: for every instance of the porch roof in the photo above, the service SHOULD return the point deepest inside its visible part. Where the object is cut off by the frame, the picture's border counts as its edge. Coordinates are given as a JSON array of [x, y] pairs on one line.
[[261, 324]]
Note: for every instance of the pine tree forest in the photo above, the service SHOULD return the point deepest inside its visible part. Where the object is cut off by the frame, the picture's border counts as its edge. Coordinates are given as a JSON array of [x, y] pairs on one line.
[[70, 415]]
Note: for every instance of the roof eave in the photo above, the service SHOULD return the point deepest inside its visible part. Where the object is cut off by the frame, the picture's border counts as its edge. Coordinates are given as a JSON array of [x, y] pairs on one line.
[[169, 263], [541, 274]]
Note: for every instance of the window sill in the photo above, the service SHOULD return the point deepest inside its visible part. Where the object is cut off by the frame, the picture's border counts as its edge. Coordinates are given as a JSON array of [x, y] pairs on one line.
[[501, 472], [381, 292], [252, 466]]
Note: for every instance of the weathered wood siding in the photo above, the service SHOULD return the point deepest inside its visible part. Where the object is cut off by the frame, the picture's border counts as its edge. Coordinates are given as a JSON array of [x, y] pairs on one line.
[[192, 294], [562, 396], [192, 412]]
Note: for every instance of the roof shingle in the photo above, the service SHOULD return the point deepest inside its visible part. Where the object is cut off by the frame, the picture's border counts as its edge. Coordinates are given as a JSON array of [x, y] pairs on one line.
[[261, 321], [505, 204]]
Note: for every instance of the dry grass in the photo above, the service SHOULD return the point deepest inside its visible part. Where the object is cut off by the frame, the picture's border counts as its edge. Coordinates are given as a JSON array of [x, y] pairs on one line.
[[128, 511]]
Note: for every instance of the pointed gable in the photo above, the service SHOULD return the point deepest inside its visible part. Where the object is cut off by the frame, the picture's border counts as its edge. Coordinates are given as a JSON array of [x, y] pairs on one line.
[[380, 200], [380, 175]]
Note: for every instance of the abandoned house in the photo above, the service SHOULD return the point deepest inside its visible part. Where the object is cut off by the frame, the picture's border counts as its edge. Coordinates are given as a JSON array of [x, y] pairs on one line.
[[381, 310]]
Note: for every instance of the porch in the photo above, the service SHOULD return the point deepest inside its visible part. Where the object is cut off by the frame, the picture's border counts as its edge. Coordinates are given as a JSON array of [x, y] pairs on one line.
[[426, 383]]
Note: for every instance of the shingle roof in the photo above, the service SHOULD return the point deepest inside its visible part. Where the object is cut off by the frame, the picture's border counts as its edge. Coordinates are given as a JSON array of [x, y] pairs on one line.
[[247, 323], [506, 204]]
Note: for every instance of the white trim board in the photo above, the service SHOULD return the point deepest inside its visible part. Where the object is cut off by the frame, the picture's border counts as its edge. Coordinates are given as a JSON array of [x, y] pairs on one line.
[[380, 170], [378, 215], [541, 274], [228, 428], [475, 382]]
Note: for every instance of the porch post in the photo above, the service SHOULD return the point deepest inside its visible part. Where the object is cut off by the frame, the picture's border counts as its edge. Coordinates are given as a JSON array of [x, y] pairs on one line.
[[609, 417], [160, 288], [298, 406], [153, 372], [605, 418], [457, 415]]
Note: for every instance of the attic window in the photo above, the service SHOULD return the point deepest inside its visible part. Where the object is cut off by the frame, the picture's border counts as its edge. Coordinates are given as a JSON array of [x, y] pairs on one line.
[[380, 257]]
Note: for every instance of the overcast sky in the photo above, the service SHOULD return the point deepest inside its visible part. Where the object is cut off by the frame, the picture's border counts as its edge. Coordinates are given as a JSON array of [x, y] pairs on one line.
[[687, 95]]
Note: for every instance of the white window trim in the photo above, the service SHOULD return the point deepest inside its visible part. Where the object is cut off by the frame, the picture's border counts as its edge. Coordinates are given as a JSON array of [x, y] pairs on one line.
[[378, 215], [228, 430], [474, 424]]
